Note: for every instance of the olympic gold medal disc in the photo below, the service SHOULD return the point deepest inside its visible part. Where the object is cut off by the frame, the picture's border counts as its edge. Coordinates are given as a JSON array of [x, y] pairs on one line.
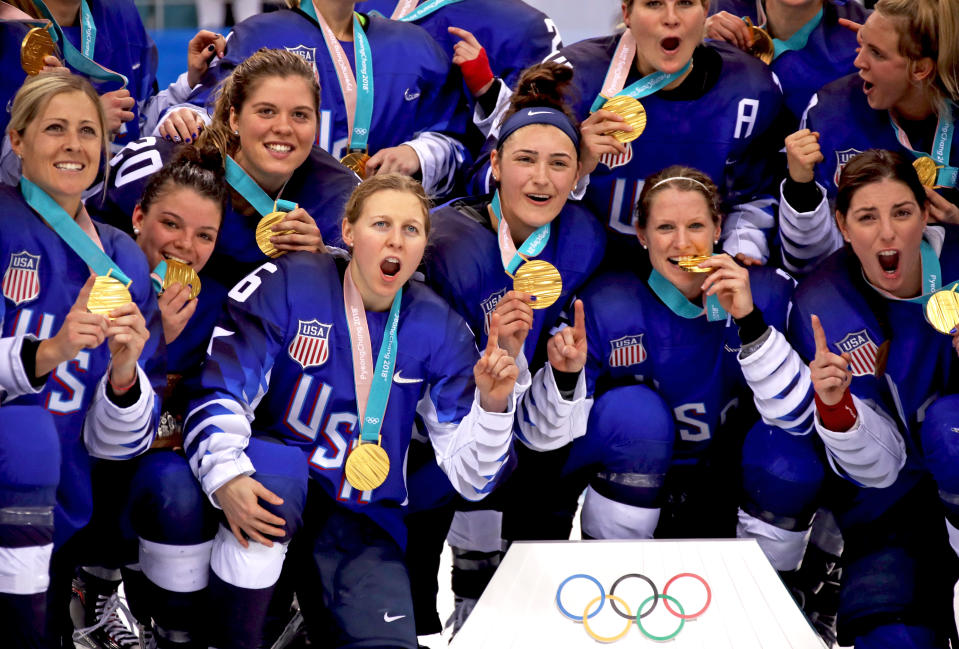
[[367, 467], [36, 45], [942, 311], [177, 272], [108, 293], [356, 161], [690, 263], [927, 170], [762, 47], [539, 278], [630, 110], [263, 233]]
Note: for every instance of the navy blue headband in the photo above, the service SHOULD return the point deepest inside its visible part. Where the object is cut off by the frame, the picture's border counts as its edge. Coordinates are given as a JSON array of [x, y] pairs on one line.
[[539, 115]]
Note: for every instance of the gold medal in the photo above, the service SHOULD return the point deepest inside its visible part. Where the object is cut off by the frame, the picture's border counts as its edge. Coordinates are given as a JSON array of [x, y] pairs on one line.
[[762, 47], [367, 466], [630, 110], [942, 311], [539, 278], [263, 233], [178, 272], [690, 263], [36, 45], [108, 293], [927, 169], [357, 162]]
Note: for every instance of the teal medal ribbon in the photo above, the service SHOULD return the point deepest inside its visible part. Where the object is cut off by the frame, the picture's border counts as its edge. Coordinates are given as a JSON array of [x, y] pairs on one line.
[[253, 193], [81, 60], [71, 233], [534, 244], [426, 9], [382, 376], [646, 86], [156, 277], [931, 275], [941, 147], [678, 304]]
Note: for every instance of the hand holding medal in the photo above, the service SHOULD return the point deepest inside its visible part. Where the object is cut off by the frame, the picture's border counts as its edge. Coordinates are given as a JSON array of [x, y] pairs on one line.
[[515, 321], [729, 282], [762, 43], [282, 232], [495, 372], [81, 329], [566, 350], [37, 51]]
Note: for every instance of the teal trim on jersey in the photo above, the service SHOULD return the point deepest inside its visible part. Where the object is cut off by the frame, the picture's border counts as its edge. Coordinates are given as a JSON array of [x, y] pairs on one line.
[[534, 244], [678, 304], [798, 40], [382, 376], [81, 59], [71, 233], [646, 86], [252, 192]]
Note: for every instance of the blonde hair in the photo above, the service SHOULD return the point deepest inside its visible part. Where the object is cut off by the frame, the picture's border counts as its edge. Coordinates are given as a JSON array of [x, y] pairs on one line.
[[238, 87], [37, 91], [929, 28], [384, 182], [685, 179]]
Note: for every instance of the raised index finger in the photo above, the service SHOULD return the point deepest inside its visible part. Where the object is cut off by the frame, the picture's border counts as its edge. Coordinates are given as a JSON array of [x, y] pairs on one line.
[[492, 341], [81, 302], [579, 319], [465, 35], [822, 346]]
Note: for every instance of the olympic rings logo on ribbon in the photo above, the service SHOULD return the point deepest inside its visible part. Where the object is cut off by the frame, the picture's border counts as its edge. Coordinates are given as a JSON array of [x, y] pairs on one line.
[[641, 611]]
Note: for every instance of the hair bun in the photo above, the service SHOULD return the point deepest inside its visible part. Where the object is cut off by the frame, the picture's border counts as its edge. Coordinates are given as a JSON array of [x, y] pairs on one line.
[[543, 84]]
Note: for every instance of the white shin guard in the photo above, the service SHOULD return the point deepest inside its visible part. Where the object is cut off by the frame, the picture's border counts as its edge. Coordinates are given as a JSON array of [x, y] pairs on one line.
[[254, 567], [176, 568], [783, 548], [603, 518]]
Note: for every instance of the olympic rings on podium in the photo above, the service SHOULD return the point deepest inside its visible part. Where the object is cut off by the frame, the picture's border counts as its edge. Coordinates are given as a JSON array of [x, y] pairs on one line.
[[641, 611]]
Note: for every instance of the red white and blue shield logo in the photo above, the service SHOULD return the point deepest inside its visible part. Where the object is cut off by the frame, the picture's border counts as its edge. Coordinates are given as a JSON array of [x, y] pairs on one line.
[[21, 282], [311, 345], [626, 351], [489, 305], [842, 157], [613, 160], [862, 350]]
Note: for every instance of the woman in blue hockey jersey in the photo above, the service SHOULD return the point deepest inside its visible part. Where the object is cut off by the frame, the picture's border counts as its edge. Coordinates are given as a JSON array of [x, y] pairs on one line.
[[81, 365], [903, 98], [885, 383], [296, 345]]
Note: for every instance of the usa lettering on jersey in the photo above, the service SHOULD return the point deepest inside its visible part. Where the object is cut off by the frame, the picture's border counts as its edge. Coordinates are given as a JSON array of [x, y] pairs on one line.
[[21, 282], [489, 305], [862, 350], [308, 54], [626, 351], [842, 157], [311, 345]]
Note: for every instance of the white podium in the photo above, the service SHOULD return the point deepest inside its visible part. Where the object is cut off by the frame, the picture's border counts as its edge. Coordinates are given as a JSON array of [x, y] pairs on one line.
[[750, 607]]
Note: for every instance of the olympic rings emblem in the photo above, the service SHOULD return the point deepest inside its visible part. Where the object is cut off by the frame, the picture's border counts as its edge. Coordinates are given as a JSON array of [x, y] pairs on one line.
[[641, 611]]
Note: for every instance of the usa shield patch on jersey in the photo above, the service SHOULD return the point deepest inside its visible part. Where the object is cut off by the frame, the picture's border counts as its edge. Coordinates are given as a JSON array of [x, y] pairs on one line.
[[489, 305], [311, 345], [613, 160], [626, 351], [862, 350], [842, 157], [21, 282]]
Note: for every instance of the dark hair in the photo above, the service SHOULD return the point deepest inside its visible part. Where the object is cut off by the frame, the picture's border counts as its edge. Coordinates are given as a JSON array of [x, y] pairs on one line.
[[383, 182], [685, 179], [542, 85], [192, 168], [237, 87], [872, 166]]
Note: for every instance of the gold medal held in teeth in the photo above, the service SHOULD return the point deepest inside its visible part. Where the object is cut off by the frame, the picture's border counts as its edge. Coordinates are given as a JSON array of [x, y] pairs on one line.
[[36, 45], [762, 47], [367, 466], [357, 162], [541, 279], [927, 169], [942, 311], [630, 110], [108, 293], [178, 272], [690, 263], [263, 234]]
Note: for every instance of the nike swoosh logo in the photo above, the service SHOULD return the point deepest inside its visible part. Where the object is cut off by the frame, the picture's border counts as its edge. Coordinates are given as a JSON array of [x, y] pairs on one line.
[[391, 618], [410, 96], [537, 112], [398, 378]]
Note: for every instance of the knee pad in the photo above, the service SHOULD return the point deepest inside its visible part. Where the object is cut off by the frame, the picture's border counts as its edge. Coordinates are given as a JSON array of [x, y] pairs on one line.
[[284, 471], [168, 505], [629, 439], [604, 518], [29, 473], [782, 476], [940, 444]]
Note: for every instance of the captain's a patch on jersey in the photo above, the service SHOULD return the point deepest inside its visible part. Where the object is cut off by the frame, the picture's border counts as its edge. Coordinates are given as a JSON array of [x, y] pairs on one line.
[[626, 351], [311, 345], [862, 350], [21, 281]]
